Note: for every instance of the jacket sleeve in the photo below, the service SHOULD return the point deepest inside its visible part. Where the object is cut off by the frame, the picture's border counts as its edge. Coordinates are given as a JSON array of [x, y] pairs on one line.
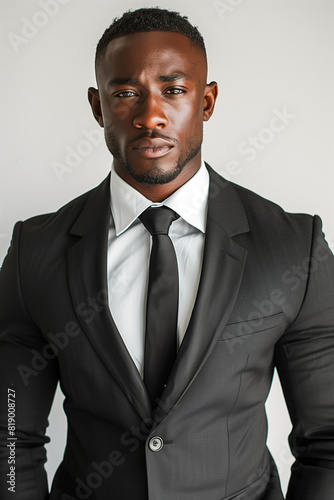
[[305, 363], [28, 379]]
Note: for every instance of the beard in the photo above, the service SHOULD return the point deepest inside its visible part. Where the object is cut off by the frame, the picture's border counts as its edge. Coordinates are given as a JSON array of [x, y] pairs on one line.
[[155, 175]]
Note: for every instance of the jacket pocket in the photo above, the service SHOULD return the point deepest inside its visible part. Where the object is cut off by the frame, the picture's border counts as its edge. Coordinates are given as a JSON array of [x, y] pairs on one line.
[[252, 327]]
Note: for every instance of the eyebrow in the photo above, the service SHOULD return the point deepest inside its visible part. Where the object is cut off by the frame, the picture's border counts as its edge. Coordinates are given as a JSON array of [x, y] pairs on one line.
[[173, 78], [123, 81], [162, 78]]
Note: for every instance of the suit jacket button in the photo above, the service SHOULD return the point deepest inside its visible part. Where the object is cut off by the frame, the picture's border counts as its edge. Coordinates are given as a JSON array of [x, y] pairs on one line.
[[155, 443]]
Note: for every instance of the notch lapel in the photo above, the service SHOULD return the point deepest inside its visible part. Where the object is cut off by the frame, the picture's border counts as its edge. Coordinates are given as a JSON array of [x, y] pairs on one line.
[[87, 271], [222, 270]]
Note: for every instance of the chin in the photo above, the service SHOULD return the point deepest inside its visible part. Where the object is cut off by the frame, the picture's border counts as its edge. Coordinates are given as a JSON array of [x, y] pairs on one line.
[[155, 176]]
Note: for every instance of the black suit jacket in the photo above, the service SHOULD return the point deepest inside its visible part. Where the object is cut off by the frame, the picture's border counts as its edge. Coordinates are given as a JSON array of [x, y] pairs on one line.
[[265, 299]]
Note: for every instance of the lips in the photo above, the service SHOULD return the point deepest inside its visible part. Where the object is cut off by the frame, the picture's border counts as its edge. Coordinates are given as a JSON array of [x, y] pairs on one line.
[[152, 147]]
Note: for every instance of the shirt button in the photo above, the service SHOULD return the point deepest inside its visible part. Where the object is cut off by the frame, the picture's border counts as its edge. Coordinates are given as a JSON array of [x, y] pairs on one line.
[[155, 444]]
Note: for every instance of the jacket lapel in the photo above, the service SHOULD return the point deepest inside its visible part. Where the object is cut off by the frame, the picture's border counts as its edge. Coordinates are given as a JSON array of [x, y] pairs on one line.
[[222, 270], [223, 264], [87, 271]]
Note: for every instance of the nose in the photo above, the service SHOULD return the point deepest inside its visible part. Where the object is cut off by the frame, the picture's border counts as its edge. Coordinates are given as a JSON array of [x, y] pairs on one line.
[[150, 115]]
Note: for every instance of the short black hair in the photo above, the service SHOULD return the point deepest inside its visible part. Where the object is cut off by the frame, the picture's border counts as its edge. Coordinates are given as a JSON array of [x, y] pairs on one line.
[[148, 19]]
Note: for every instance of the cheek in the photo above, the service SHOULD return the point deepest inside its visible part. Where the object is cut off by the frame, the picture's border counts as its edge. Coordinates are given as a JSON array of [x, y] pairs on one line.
[[189, 123], [190, 114], [122, 110], [116, 113]]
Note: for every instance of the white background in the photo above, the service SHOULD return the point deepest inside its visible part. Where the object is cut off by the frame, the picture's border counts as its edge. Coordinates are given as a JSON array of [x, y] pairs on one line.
[[268, 57]]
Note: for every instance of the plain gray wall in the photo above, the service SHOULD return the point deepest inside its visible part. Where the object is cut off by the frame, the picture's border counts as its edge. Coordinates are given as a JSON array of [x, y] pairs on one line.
[[270, 58]]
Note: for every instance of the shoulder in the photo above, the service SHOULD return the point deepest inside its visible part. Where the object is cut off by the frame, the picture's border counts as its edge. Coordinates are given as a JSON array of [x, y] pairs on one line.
[[281, 236], [265, 214], [66, 215], [54, 229]]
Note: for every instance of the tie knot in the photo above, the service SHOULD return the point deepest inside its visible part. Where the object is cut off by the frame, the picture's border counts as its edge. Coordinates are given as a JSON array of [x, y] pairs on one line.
[[157, 220]]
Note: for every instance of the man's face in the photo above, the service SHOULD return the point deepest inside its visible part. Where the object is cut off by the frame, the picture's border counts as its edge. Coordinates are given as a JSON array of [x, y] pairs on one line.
[[152, 100]]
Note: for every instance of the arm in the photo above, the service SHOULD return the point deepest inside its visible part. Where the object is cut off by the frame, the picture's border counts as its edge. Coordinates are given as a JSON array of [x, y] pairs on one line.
[[305, 363], [27, 385]]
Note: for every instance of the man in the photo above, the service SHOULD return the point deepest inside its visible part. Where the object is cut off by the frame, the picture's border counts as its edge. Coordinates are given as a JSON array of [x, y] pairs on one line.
[[233, 283]]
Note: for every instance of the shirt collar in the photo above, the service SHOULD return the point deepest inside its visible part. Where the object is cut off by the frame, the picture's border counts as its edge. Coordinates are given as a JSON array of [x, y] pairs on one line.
[[189, 201]]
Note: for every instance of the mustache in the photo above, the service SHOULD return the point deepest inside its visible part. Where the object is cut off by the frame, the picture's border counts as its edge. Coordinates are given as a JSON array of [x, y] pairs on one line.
[[152, 135]]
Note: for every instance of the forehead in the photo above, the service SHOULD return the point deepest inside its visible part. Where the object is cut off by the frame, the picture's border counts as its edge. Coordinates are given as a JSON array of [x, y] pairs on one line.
[[158, 51]]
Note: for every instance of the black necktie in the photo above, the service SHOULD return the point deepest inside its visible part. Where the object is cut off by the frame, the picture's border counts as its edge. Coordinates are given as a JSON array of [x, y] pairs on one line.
[[162, 301]]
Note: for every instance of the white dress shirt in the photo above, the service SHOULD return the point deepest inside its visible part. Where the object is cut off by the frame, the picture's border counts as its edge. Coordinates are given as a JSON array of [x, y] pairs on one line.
[[129, 249]]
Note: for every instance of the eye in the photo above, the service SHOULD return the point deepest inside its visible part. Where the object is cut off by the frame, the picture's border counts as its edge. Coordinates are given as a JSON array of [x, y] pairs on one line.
[[174, 91], [126, 93]]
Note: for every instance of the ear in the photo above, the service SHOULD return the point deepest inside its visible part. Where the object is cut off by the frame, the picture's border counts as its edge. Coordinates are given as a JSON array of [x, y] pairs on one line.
[[210, 97], [95, 103]]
